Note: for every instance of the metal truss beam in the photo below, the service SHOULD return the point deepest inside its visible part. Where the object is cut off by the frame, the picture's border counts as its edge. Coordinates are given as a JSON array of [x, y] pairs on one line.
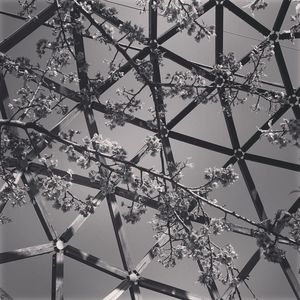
[[39, 207], [186, 63], [145, 261], [57, 276], [124, 69], [70, 231], [287, 36], [182, 114], [281, 15], [246, 18], [62, 124], [200, 143], [285, 76], [94, 262], [27, 252], [28, 28], [272, 120], [119, 290], [283, 69], [176, 28], [291, 277], [3, 96], [244, 273], [272, 162], [295, 206], [252, 190], [229, 120]]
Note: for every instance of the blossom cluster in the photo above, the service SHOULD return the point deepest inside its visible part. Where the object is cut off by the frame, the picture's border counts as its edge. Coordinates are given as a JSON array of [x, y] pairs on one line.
[[289, 133], [224, 176]]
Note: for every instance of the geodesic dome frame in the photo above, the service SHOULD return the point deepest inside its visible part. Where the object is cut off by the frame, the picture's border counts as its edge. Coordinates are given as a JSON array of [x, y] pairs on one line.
[[131, 276]]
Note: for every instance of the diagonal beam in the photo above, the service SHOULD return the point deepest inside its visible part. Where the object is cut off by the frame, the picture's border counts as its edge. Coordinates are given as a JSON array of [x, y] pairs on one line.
[[63, 123], [28, 28], [272, 120], [252, 190], [176, 28], [3, 96], [94, 262], [295, 206], [229, 120], [146, 260], [4, 295], [119, 231], [246, 18], [291, 277], [219, 19], [200, 143], [119, 290], [39, 207], [287, 35], [134, 121], [27, 252], [285, 76], [2, 203], [296, 109], [283, 69], [272, 162], [281, 15], [73, 227], [57, 276], [186, 63], [182, 114], [244, 273], [123, 69]]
